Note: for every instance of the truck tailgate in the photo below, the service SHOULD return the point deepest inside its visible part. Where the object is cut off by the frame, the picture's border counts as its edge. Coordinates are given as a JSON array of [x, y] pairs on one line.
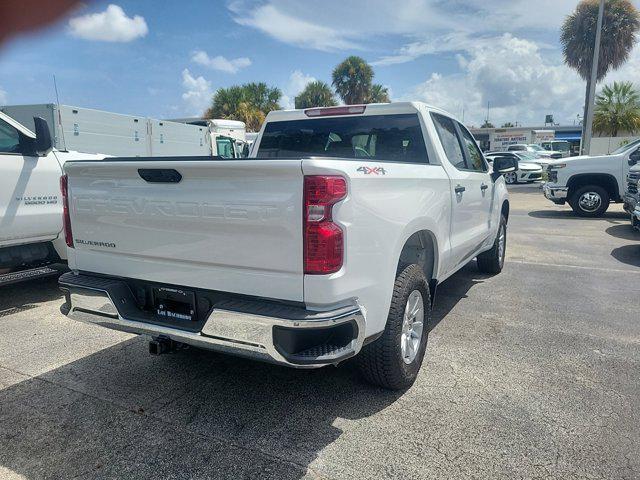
[[233, 226]]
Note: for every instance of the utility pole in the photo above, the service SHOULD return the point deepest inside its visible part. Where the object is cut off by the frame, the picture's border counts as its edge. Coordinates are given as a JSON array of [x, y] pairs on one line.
[[588, 121]]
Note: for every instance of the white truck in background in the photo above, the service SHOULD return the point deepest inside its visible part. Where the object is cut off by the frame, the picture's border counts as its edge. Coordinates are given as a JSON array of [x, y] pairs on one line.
[[229, 136], [501, 138], [31, 200], [590, 183], [95, 131], [327, 243]]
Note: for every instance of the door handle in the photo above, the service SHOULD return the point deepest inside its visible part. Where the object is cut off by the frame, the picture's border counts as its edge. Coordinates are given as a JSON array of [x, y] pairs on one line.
[[484, 186], [459, 188]]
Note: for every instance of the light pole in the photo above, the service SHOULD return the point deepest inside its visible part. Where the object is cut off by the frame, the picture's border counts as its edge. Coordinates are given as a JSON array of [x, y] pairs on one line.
[[588, 120]]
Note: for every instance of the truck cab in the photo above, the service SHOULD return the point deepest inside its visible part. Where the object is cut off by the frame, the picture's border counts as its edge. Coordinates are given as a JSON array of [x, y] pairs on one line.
[[590, 183], [30, 199]]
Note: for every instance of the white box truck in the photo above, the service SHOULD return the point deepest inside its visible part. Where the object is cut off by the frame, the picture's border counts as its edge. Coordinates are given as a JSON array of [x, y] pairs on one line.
[[95, 131], [501, 138], [228, 137]]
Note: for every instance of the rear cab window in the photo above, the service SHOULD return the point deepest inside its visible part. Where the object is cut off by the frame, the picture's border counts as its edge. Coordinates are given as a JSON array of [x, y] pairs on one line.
[[389, 138]]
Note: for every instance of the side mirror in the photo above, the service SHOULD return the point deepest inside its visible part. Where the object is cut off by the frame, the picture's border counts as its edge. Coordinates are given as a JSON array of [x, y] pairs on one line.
[[43, 143], [634, 158], [502, 165]]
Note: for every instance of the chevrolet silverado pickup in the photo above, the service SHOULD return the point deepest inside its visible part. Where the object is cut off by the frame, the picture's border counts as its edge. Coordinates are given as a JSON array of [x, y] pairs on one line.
[[328, 243], [30, 201], [590, 183]]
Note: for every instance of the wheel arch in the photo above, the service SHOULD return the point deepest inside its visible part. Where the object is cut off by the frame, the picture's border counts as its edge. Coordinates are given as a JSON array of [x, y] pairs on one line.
[[604, 180], [421, 248]]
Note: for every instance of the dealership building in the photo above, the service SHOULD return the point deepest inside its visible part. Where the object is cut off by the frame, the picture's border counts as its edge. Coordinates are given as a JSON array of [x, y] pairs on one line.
[[571, 133]]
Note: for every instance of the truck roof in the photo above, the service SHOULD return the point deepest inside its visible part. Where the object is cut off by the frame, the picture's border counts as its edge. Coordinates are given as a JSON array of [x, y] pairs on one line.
[[369, 109]]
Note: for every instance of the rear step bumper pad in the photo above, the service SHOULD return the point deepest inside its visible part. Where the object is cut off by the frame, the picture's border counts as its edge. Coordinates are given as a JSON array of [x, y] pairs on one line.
[[23, 275], [264, 331]]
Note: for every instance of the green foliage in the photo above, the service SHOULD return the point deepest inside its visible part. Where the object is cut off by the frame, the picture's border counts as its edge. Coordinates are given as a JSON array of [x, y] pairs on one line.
[[487, 124], [620, 23], [378, 94], [508, 125], [316, 94], [617, 109], [248, 103], [352, 80]]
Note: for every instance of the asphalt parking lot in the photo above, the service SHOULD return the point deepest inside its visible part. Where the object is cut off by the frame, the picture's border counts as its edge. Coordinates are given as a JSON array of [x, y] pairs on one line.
[[534, 373]]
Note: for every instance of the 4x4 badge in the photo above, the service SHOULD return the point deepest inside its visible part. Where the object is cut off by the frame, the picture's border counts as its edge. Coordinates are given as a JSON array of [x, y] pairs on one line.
[[372, 170]]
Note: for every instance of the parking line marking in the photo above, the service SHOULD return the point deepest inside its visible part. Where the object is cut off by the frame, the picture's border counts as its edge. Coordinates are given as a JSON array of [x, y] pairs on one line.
[[580, 267]]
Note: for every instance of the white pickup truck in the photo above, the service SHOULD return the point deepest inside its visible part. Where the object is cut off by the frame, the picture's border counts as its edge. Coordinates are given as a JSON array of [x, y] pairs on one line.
[[30, 200], [590, 183], [328, 243]]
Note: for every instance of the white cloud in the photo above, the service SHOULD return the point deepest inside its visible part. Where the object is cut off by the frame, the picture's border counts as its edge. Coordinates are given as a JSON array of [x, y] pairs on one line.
[[197, 92], [3, 96], [220, 63], [512, 75], [112, 25], [297, 82], [360, 22], [288, 28]]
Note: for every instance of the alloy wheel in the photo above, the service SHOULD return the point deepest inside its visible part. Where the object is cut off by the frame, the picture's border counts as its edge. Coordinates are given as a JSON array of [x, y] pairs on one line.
[[412, 327]]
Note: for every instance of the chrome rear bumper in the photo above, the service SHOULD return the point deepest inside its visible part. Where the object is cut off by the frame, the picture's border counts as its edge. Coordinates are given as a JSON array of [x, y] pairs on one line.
[[264, 331]]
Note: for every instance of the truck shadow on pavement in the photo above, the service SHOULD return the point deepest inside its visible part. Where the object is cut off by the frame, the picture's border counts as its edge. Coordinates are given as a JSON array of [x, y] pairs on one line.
[[120, 413], [624, 231], [629, 254], [27, 295], [569, 215]]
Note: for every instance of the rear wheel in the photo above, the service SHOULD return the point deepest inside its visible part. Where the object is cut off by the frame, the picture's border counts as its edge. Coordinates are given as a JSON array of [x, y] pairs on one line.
[[590, 201], [492, 260], [393, 360]]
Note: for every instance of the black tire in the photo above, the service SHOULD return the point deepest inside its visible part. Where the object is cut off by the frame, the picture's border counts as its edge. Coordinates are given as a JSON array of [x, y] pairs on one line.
[[492, 260], [580, 208], [381, 362]]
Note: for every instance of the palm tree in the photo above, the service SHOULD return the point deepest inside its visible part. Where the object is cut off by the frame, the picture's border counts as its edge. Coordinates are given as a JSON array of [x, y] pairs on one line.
[[619, 26], [248, 103], [265, 98], [316, 94], [617, 109], [378, 94], [352, 80]]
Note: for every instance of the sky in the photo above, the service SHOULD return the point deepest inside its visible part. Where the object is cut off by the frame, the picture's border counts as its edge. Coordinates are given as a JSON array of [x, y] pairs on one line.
[[165, 59]]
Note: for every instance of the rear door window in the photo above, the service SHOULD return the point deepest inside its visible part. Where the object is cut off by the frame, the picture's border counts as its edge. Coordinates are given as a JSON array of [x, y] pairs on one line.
[[449, 138], [392, 138], [475, 161]]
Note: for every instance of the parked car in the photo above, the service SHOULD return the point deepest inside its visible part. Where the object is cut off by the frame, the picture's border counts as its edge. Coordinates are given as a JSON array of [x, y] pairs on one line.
[[527, 172], [328, 243], [590, 183], [30, 200], [561, 146], [536, 150]]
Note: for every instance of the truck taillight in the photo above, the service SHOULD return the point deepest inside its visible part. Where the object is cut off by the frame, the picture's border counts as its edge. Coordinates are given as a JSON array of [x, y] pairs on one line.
[[323, 239], [66, 218]]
